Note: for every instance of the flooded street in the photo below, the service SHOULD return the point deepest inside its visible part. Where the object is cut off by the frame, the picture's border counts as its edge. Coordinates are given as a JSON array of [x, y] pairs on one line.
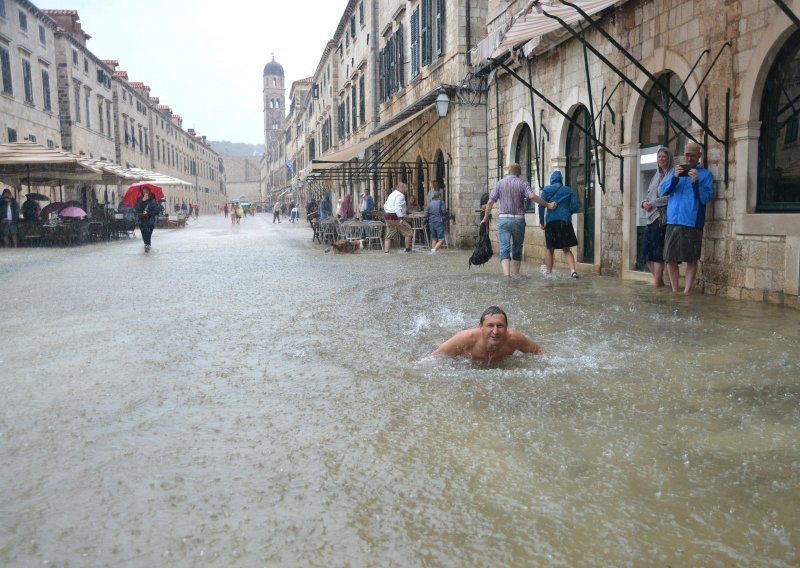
[[240, 398]]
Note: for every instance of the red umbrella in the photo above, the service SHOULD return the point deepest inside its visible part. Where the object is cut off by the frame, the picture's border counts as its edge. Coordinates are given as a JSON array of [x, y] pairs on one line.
[[134, 192]]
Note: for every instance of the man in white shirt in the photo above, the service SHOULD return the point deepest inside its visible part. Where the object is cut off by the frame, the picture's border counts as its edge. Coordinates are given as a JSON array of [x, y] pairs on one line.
[[394, 211]]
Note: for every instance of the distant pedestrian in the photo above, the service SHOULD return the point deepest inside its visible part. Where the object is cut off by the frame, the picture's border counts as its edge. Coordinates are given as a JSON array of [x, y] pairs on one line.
[[276, 213], [325, 206], [435, 218], [293, 215], [394, 213], [239, 213], [147, 208], [30, 209], [9, 213], [346, 210], [225, 210], [196, 208], [367, 206]]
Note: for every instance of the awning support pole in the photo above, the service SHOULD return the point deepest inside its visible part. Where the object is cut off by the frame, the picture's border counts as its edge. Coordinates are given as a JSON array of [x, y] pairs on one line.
[[600, 173], [539, 168], [782, 5], [672, 96], [555, 107]]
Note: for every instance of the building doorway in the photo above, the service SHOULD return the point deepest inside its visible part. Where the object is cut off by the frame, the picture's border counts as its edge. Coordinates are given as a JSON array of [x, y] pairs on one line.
[[580, 177]]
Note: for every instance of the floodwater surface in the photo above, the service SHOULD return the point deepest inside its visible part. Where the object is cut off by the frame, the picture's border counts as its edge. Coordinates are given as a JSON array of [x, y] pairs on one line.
[[238, 397]]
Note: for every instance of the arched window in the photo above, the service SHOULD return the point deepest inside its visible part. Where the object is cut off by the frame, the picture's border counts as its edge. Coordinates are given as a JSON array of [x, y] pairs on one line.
[[655, 128], [779, 143]]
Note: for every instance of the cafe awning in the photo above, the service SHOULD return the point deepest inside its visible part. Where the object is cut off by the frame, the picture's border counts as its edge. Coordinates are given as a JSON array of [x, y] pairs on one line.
[[32, 164], [338, 158], [533, 23], [157, 178]]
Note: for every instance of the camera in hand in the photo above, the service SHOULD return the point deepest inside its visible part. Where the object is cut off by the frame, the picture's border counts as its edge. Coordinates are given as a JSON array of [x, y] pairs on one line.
[[685, 171]]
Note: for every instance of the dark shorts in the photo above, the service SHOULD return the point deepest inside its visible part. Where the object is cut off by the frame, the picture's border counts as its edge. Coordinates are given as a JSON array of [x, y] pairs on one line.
[[9, 228], [437, 230], [560, 235], [682, 244], [653, 248]]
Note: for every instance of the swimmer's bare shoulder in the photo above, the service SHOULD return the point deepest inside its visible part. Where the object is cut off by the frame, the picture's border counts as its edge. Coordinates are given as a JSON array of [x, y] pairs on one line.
[[523, 343], [462, 342]]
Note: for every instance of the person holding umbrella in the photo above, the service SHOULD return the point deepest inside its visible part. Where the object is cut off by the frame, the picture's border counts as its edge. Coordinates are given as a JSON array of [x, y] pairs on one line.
[[147, 208]]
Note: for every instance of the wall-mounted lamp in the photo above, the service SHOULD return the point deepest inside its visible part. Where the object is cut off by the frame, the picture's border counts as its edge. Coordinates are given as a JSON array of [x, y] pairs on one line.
[[442, 103]]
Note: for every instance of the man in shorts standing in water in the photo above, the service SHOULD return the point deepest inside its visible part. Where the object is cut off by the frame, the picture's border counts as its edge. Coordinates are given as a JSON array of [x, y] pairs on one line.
[[491, 341]]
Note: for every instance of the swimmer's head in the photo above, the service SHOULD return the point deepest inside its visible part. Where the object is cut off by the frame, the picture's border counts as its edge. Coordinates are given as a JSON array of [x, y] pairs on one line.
[[493, 311]]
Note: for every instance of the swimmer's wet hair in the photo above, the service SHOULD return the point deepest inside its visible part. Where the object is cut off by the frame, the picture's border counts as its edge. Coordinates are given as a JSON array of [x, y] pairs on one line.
[[493, 311]]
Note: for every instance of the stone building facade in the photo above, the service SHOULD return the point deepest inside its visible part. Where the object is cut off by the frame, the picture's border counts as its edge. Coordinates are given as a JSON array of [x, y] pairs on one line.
[[57, 93], [371, 109], [28, 89], [670, 50]]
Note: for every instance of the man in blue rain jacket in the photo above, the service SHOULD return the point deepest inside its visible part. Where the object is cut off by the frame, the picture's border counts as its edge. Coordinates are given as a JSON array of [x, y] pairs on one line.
[[558, 231], [689, 187]]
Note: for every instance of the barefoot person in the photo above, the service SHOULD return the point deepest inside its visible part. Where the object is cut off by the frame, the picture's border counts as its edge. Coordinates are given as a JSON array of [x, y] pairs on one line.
[[490, 341]]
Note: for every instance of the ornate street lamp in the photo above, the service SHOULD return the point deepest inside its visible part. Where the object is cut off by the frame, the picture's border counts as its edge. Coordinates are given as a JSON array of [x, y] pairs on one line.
[[442, 103]]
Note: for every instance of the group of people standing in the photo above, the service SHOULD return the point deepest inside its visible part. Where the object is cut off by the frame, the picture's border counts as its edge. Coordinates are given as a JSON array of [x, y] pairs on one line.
[[676, 213], [675, 206]]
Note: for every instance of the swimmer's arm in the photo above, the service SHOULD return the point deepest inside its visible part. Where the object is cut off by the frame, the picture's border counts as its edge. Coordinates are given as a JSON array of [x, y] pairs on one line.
[[525, 344], [459, 344]]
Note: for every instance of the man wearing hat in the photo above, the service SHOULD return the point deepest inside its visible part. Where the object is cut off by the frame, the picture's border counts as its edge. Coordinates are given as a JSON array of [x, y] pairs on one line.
[[689, 187]]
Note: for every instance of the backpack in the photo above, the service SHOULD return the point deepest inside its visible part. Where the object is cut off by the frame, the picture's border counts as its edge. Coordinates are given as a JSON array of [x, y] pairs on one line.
[[483, 252]]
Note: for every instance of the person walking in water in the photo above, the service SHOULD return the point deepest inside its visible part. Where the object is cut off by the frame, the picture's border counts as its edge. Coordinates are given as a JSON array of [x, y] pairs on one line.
[[558, 231], [491, 341], [510, 192], [147, 209]]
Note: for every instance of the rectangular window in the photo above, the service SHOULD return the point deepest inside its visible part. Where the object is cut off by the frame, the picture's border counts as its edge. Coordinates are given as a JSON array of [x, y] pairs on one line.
[[88, 100], [100, 125], [127, 135], [12, 135], [439, 43], [85, 65], [415, 42], [5, 65], [141, 143], [362, 106], [425, 32], [74, 57], [361, 12], [108, 119], [42, 35], [27, 80], [353, 26], [32, 138], [23, 21], [3, 8], [46, 90]]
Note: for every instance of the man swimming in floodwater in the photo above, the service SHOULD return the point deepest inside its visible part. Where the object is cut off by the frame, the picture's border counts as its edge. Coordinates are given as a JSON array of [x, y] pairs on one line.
[[490, 341]]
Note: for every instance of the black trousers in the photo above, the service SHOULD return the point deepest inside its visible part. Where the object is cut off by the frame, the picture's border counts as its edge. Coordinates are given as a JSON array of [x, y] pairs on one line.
[[146, 233]]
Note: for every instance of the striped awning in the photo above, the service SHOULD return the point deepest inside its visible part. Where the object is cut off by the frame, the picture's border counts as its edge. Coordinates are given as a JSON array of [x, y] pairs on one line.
[[533, 22]]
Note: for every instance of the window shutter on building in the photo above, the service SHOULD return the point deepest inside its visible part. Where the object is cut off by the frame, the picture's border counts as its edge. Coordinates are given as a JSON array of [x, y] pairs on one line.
[[439, 27], [415, 42], [399, 49], [425, 30], [361, 105]]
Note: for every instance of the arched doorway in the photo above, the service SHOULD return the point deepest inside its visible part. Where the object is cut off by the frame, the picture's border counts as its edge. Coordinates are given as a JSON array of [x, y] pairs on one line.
[[580, 177], [441, 174], [420, 185], [524, 157], [655, 131]]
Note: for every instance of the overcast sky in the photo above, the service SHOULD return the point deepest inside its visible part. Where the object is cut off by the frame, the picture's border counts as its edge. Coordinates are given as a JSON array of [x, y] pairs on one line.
[[208, 63]]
